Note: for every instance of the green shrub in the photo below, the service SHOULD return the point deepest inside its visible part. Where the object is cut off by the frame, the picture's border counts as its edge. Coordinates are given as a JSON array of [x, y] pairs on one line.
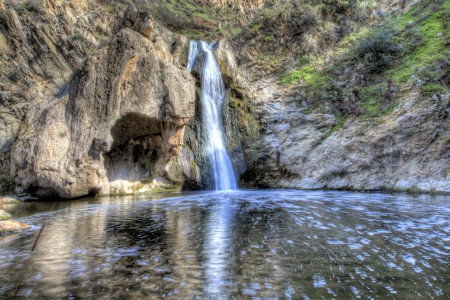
[[169, 18], [78, 36], [32, 6], [7, 184], [432, 89], [378, 50]]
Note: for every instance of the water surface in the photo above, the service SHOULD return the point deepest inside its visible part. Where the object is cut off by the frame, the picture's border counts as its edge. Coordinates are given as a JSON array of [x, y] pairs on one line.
[[280, 244]]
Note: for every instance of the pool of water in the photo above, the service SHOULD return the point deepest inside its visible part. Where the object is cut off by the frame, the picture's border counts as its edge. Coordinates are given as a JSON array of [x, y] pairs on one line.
[[251, 244]]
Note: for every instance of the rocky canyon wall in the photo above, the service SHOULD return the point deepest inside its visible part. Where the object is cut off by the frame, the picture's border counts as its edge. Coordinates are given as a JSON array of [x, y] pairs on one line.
[[128, 118], [318, 128], [408, 150], [117, 126]]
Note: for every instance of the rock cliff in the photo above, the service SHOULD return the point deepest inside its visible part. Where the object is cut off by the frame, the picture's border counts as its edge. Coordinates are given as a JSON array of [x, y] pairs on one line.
[[331, 119], [91, 104], [117, 125], [407, 150], [42, 43]]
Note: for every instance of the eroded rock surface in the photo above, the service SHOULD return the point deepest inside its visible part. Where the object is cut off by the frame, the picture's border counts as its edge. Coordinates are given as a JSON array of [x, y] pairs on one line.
[[117, 126], [407, 150]]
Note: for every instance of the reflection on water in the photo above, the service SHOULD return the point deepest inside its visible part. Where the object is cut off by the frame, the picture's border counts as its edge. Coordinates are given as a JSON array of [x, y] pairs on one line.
[[242, 244]]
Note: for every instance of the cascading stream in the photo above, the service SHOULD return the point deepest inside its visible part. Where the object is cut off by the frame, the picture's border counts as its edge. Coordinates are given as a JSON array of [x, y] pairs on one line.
[[213, 93]]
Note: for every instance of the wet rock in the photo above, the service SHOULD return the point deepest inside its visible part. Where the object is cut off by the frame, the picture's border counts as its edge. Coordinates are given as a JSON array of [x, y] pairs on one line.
[[9, 200], [4, 215], [11, 226]]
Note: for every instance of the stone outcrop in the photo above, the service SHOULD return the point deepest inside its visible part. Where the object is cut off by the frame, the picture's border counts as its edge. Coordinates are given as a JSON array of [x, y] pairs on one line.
[[40, 53], [303, 145], [128, 119], [407, 150], [116, 126], [8, 200], [42, 43]]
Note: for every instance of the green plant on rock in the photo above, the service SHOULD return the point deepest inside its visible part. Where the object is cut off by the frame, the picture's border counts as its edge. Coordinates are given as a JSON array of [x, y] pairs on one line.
[[430, 90], [378, 50], [78, 36], [268, 38], [36, 6], [7, 184]]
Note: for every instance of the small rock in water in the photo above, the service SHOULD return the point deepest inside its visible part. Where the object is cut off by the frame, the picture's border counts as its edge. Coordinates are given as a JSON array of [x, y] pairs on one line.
[[4, 215], [8, 200], [9, 226]]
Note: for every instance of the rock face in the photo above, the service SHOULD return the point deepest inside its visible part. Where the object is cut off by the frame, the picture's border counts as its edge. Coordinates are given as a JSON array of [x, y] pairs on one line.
[[42, 43], [240, 123], [128, 119], [117, 126], [407, 150]]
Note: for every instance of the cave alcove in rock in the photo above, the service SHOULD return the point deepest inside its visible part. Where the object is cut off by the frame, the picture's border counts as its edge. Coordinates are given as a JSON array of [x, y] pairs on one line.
[[137, 145]]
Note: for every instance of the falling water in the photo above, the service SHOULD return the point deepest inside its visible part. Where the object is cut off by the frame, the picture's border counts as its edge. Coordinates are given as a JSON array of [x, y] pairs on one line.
[[193, 52], [213, 93]]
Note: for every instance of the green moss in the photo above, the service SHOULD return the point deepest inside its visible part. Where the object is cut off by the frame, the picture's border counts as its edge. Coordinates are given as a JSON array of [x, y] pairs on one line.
[[7, 183], [340, 121], [431, 89], [391, 52], [432, 27], [309, 75], [268, 38]]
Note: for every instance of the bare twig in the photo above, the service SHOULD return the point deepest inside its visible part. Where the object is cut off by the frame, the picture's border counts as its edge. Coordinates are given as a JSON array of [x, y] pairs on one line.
[[26, 263]]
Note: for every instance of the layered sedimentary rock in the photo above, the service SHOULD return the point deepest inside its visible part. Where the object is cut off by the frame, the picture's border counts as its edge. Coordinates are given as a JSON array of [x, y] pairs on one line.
[[117, 126]]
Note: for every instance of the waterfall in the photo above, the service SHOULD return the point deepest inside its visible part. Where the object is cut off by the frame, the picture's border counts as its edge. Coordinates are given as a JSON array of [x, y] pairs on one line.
[[213, 93], [193, 53]]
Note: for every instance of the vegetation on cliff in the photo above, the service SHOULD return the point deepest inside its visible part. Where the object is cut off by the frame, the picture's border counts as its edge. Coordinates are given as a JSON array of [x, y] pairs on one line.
[[350, 57]]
